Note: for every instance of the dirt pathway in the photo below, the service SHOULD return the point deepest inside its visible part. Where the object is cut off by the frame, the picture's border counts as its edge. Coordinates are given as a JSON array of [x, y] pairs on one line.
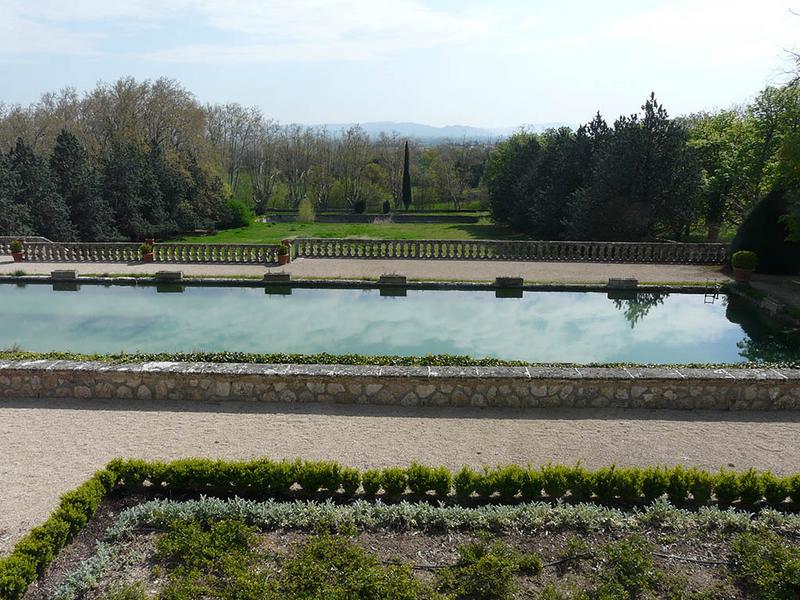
[[49, 447]]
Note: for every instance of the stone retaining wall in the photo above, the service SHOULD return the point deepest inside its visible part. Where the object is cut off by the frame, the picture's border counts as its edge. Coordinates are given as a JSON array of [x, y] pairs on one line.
[[725, 389]]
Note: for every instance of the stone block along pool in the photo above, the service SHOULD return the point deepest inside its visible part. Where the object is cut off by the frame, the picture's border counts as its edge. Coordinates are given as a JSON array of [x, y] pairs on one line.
[[573, 327]]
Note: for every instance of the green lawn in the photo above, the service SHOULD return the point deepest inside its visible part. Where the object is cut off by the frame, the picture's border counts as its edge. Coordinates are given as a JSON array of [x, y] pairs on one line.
[[272, 233]]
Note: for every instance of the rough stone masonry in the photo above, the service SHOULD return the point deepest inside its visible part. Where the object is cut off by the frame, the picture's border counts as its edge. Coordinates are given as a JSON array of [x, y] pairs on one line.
[[720, 389]]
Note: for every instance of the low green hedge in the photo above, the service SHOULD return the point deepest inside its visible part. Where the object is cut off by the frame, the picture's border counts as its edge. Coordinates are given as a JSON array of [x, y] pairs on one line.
[[633, 485], [429, 360], [264, 477], [38, 548]]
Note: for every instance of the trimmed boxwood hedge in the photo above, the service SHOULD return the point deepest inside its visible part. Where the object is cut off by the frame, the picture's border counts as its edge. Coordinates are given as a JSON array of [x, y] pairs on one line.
[[429, 360], [264, 477], [38, 548], [633, 485]]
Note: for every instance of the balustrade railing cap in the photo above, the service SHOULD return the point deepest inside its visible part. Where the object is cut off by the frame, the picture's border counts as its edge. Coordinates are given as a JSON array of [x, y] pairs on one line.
[[665, 244], [214, 245]]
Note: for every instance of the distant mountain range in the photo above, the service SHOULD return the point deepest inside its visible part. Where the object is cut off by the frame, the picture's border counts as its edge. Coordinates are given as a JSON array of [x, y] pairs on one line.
[[430, 133]]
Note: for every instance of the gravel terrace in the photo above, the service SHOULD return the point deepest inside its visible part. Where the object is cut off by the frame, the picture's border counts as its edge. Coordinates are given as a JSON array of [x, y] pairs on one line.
[[442, 270], [49, 447]]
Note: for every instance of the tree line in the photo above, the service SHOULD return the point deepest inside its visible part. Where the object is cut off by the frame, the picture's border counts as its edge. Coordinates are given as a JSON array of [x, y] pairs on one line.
[[133, 159], [648, 176], [279, 166], [123, 162]]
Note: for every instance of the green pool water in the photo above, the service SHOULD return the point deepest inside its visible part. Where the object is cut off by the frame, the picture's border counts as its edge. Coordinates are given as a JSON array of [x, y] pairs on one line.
[[538, 327]]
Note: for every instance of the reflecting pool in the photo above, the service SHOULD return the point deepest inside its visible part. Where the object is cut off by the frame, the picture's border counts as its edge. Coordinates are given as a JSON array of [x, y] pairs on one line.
[[538, 327]]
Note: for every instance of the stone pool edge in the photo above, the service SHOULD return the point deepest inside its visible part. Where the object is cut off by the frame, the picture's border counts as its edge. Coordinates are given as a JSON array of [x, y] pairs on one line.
[[534, 387], [344, 283]]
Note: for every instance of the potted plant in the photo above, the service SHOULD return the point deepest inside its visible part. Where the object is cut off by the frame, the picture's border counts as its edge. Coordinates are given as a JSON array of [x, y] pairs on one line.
[[744, 263], [283, 254], [146, 250], [16, 250]]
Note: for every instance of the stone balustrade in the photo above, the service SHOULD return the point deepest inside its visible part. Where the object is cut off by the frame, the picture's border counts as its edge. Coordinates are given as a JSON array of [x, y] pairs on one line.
[[81, 252], [249, 254], [245, 254], [524, 387], [5, 241], [614, 252]]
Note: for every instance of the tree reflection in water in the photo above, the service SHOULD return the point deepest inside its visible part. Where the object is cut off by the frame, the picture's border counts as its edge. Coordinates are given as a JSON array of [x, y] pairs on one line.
[[636, 305], [767, 340]]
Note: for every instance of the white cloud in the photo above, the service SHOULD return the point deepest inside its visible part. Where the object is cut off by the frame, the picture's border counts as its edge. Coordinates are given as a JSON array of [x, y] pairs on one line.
[[688, 31], [269, 31], [21, 36], [76, 11], [694, 31], [725, 30], [325, 30], [334, 19]]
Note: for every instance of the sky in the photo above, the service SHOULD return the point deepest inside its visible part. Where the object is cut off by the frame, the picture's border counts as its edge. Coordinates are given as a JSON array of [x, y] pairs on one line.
[[485, 63]]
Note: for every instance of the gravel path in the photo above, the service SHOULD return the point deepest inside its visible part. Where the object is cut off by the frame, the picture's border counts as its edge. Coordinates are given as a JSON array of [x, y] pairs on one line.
[[49, 447], [539, 272]]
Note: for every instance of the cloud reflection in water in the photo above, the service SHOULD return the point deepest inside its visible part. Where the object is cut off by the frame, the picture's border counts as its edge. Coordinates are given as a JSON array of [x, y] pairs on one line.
[[541, 326]]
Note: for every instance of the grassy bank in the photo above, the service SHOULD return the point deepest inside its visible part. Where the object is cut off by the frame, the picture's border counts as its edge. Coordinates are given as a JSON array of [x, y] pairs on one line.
[[273, 233], [429, 360]]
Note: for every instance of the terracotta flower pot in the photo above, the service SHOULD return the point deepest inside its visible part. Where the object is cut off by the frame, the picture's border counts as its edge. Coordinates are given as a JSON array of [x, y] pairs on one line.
[[148, 258], [742, 275], [283, 259], [17, 256]]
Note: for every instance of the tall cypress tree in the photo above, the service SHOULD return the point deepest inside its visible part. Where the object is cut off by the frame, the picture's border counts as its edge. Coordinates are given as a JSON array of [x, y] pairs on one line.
[[77, 183], [15, 218], [175, 184], [131, 189], [406, 180], [206, 195], [37, 192]]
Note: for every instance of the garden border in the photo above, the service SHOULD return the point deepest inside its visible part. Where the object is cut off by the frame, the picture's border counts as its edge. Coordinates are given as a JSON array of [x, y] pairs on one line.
[[36, 550]]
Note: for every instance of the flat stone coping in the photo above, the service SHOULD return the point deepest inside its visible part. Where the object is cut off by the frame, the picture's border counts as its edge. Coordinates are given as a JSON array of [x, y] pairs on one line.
[[432, 372], [345, 283]]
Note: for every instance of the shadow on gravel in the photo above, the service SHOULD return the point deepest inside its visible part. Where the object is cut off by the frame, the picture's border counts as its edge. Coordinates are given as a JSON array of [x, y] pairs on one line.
[[434, 412]]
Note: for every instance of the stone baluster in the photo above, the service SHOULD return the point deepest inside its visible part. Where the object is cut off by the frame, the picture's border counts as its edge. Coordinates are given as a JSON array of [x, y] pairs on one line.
[[662, 253]]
